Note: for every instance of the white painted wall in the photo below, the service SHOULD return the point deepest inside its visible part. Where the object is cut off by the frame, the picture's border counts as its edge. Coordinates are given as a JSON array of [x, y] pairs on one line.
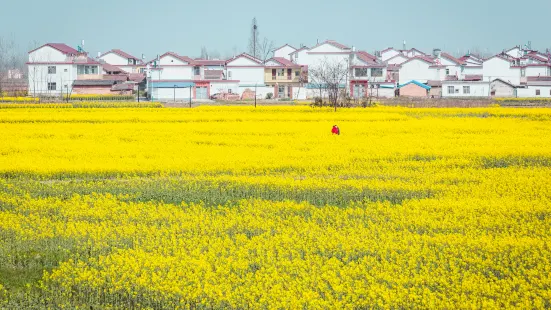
[[247, 71], [167, 94], [472, 70], [477, 89], [386, 55], [39, 78], [530, 92], [284, 52], [172, 73], [326, 53], [502, 90], [171, 60], [515, 52], [537, 71], [223, 87], [301, 57], [398, 60], [418, 70], [47, 54], [114, 59], [495, 68]]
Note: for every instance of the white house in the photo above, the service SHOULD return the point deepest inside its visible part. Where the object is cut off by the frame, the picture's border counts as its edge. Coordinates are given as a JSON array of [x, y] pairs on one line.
[[536, 87], [284, 51], [328, 51], [176, 77], [421, 69], [389, 53], [502, 67], [369, 77], [465, 89], [122, 60], [249, 72], [53, 68]]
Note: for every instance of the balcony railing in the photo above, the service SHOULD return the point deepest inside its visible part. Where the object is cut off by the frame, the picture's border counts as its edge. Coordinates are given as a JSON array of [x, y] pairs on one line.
[[285, 78]]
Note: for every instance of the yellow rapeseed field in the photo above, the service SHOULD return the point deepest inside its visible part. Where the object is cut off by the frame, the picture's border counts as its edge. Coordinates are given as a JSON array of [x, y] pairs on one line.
[[244, 208]]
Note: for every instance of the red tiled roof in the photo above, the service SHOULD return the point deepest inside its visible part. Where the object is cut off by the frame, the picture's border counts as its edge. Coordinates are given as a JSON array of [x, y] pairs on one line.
[[136, 77], [450, 57], [473, 77], [387, 49], [210, 62], [246, 56], [538, 78], [110, 68], [534, 55], [182, 58], [366, 57], [334, 43], [121, 53], [64, 48], [284, 62]]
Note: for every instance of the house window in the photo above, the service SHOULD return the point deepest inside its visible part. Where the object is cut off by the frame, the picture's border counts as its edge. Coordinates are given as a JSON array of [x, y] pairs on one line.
[[376, 72], [466, 89], [297, 73], [359, 72], [196, 71], [523, 72], [457, 90], [52, 86], [281, 72], [538, 92], [451, 89], [229, 74], [64, 70], [229, 91], [51, 69], [87, 69], [447, 71]]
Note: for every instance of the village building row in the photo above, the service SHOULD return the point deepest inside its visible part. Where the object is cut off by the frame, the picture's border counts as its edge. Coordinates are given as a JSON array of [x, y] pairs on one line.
[[55, 69]]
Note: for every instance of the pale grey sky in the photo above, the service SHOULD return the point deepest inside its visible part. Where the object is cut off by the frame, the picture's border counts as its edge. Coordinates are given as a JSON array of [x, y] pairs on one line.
[[154, 27]]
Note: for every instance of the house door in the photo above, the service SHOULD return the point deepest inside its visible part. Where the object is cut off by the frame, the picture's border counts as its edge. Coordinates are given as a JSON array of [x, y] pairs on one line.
[[281, 92], [201, 93], [359, 91]]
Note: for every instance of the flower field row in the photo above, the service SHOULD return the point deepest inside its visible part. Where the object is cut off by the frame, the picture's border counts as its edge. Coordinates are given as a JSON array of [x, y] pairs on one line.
[[19, 99], [81, 104], [243, 208]]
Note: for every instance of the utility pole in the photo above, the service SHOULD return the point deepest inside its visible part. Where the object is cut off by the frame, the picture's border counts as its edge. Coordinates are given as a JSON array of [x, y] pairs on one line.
[[255, 95], [174, 92], [255, 28], [190, 97]]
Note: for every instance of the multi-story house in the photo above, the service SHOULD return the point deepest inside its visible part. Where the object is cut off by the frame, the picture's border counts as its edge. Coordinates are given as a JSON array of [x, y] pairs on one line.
[[369, 77], [248, 72], [53, 68], [123, 60], [284, 76], [175, 77]]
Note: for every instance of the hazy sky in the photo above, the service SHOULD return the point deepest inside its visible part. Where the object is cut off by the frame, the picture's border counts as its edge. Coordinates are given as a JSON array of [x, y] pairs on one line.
[[154, 27]]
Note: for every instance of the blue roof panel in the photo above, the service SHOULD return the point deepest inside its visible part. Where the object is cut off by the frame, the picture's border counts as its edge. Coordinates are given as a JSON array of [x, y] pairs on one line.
[[416, 83]]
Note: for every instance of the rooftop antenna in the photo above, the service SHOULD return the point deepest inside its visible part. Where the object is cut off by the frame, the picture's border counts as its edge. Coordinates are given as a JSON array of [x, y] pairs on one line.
[[99, 54], [404, 46]]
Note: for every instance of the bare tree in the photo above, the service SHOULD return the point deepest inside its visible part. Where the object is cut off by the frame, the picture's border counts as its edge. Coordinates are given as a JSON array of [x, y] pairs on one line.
[[265, 50], [9, 60], [330, 75], [204, 53]]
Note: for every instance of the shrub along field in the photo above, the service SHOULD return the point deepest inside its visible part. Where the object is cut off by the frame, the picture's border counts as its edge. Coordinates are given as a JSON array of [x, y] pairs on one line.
[[243, 208]]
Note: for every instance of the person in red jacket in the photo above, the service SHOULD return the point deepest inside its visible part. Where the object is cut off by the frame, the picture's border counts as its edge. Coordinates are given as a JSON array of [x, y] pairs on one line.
[[336, 130]]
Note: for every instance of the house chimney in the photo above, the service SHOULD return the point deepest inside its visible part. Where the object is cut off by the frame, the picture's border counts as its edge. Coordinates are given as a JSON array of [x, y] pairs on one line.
[[404, 46]]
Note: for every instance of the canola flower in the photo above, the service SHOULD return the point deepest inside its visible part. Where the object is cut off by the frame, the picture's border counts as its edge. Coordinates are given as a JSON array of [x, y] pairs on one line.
[[82, 104], [243, 208], [19, 99]]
